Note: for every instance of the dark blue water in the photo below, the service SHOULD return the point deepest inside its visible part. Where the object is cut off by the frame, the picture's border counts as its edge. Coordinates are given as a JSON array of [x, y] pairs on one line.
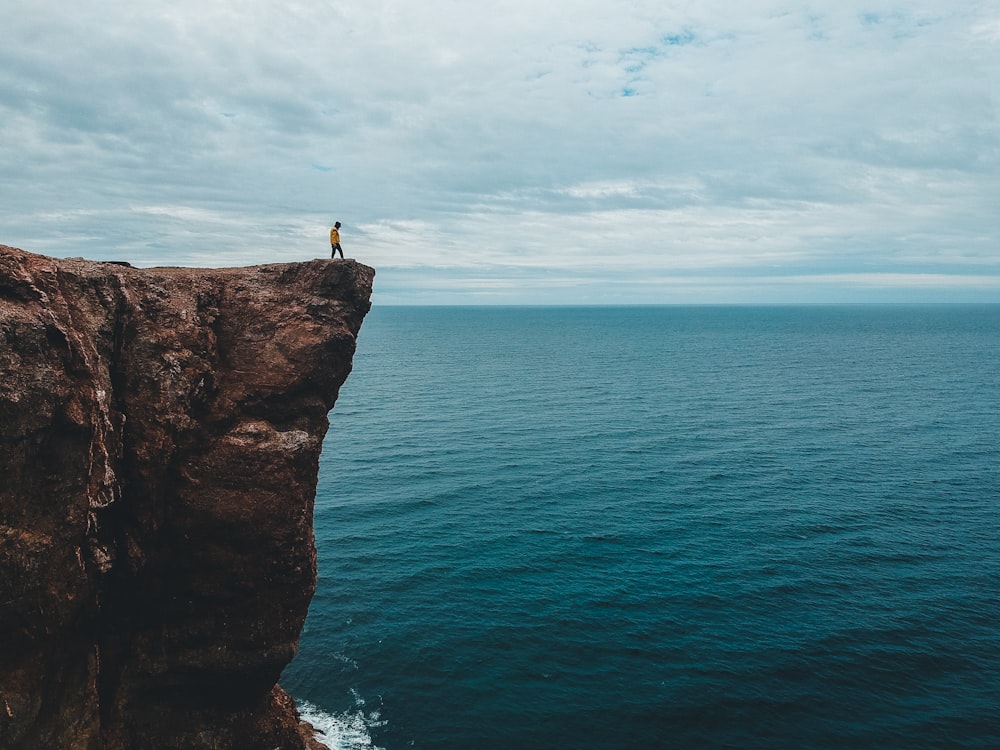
[[704, 527]]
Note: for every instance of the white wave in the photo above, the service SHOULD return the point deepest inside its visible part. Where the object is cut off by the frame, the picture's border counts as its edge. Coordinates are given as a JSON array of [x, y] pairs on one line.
[[346, 660], [346, 731]]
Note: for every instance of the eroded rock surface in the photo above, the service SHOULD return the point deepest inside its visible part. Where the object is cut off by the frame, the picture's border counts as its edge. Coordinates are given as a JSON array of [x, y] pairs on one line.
[[160, 431]]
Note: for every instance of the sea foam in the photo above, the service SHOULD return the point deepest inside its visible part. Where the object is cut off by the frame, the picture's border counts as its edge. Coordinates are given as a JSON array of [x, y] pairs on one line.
[[345, 731]]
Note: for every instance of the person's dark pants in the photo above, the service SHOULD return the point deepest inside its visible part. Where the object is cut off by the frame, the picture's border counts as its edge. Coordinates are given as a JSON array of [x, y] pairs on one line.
[[334, 247]]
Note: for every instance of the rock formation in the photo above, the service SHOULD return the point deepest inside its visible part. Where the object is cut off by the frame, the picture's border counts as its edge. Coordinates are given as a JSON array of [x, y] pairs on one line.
[[160, 432]]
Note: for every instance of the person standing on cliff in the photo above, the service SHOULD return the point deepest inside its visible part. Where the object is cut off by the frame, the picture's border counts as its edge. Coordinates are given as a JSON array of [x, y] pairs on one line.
[[335, 241]]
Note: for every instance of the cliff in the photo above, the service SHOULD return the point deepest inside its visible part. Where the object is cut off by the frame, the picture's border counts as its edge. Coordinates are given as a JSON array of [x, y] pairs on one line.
[[160, 432]]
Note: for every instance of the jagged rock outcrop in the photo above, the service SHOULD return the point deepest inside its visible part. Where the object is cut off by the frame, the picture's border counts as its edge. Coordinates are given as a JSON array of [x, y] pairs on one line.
[[160, 432]]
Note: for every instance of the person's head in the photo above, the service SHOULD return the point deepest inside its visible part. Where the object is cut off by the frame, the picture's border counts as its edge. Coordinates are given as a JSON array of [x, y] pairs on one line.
[[337, 225]]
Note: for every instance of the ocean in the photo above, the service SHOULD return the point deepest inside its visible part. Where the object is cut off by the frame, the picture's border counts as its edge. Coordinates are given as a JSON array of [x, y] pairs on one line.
[[660, 527]]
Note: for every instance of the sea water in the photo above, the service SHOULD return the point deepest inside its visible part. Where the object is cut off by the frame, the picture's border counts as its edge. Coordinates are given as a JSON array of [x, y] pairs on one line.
[[646, 527]]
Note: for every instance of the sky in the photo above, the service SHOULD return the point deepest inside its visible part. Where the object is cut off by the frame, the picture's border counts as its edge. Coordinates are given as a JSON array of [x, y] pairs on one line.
[[518, 152]]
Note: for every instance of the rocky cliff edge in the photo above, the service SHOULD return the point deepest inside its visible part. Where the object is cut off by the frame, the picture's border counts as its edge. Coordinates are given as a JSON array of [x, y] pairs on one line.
[[160, 432]]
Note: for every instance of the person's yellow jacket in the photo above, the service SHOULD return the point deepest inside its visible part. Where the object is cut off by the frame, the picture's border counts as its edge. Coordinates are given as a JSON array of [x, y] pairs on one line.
[[334, 236]]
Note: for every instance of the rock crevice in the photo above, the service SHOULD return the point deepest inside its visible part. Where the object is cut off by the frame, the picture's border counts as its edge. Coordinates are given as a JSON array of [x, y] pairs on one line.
[[160, 432]]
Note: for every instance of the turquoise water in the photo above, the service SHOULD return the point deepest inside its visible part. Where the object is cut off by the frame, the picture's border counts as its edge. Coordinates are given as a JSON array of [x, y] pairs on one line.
[[692, 527]]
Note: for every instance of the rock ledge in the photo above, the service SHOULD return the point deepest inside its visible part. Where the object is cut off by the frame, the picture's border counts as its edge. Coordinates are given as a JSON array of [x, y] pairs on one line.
[[160, 432]]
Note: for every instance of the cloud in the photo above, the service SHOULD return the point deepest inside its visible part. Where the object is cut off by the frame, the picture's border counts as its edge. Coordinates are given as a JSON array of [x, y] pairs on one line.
[[710, 139]]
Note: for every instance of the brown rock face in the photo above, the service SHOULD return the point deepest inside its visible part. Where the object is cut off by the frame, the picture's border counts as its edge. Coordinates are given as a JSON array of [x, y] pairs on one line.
[[160, 432]]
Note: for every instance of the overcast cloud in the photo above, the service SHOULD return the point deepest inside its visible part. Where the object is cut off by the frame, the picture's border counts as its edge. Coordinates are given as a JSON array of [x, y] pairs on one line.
[[576, 151]]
